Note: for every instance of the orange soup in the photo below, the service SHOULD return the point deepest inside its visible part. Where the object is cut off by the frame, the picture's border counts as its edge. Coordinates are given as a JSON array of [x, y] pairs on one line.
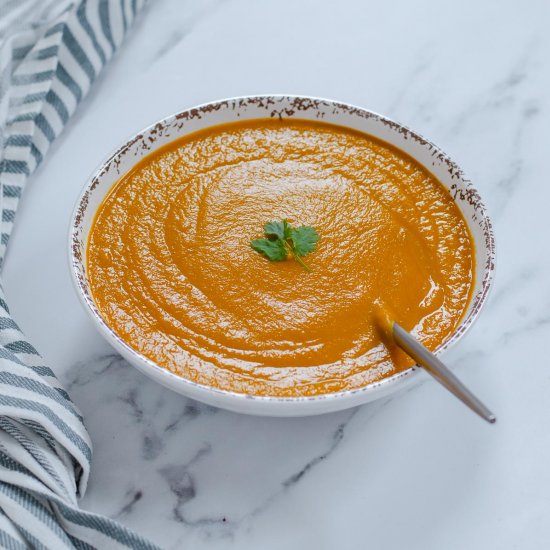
[[173, 273]]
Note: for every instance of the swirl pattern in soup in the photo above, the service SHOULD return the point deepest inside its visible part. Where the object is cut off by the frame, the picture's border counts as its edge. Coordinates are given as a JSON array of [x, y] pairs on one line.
[[172, 271]]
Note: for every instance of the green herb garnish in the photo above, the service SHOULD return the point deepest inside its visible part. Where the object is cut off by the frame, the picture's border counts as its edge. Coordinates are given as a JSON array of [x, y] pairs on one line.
[[283, 240]]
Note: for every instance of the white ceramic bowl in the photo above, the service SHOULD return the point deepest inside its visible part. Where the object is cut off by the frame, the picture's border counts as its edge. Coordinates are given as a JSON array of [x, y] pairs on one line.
[[243, 108]]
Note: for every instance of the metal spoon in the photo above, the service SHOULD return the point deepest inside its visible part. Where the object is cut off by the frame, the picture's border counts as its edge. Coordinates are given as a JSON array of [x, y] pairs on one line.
[[411, 346]]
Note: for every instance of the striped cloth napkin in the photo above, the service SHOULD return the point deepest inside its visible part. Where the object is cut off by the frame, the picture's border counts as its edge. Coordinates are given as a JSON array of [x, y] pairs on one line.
[[50, 54]]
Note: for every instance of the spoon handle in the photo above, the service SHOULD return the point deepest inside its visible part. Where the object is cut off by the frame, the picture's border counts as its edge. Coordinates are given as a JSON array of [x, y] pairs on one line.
[[439, 371]]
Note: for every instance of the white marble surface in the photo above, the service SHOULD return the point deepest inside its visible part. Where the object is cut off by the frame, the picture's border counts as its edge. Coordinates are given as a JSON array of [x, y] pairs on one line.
[[417, 471]]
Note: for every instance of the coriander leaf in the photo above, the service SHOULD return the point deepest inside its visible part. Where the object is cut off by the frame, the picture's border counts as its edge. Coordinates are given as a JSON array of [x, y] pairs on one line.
[[283, 240], [303, 239], [276, 229], [273, 250]]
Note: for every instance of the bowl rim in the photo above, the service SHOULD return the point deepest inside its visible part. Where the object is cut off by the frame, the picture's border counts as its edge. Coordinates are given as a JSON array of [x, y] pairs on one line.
[[196, 389]]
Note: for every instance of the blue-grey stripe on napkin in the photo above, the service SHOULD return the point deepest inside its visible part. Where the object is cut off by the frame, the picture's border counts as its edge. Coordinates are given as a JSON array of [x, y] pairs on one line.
[[51, 51]]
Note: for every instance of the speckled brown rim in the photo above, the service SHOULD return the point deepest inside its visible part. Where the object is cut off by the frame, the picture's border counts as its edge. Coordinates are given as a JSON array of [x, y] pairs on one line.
[[282, 107]]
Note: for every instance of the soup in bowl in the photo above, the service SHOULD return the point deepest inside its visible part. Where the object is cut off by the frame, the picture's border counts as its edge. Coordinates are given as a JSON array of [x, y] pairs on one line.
[[176, 253]]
